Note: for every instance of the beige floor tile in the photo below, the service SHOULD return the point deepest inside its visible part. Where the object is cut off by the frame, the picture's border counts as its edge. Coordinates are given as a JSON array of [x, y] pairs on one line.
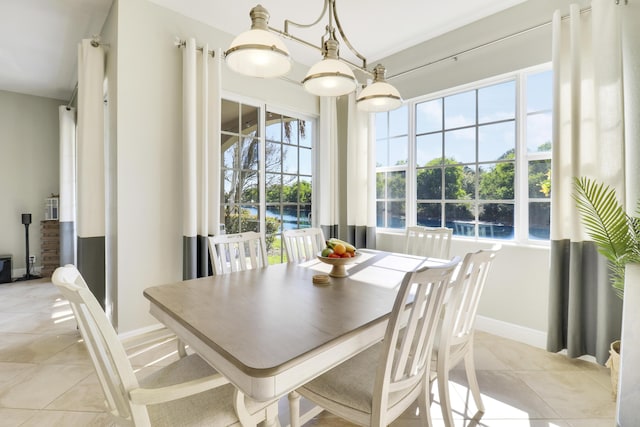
[[483, 422], [37, 304], [572, 395], [10, 417], [522, 357], [68, 418], [485, 359], [9, 371], [32, 348], [592, 423], [603, 377], [86, 396], [75, 354], [36, 388], [41, 323], [161, 353], [506, 396]]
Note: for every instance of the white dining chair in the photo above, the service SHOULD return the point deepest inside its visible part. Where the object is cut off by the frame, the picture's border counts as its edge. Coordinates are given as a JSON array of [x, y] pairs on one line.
[[457, 328], [303, 244], [139, 343], [428, 241], [237, 252], [185, 392], [377, 385]]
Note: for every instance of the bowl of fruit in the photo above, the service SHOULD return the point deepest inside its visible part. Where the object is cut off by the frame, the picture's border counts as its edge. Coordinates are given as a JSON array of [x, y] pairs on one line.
[[338, 253]]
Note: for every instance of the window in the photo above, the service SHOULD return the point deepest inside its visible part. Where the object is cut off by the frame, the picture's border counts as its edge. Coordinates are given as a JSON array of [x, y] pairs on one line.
[[467, 148], [267, 180], [391, 160], [288, 174]]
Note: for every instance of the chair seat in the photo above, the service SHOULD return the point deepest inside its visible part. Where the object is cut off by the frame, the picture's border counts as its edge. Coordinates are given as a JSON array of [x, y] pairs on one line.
[[351, 383], [210, 408]]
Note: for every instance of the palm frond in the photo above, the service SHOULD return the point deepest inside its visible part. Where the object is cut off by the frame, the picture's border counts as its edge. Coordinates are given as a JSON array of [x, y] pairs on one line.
[[604, 218]]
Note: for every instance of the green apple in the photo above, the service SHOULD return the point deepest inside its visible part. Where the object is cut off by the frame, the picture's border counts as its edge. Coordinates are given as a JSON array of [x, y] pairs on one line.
[[326, 252]]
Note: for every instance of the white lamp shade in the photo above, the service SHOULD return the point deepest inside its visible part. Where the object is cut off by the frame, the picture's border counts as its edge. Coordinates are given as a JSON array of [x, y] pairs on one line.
[[330, 77], [379, 96], [258, 53]]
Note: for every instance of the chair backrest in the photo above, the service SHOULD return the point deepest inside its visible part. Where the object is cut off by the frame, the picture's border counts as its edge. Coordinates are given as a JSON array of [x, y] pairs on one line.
[[109, 358], [237, 252], [409, 337], [428, 242], [303, 244], [466, 290]]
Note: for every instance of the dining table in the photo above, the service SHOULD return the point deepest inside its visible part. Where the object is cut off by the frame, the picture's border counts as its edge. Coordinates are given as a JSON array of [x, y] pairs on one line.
[[272, 329]]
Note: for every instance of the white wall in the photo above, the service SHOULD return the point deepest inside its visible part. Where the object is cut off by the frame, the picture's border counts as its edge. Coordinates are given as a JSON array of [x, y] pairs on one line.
[[28, 170], [517, 289], [149, 150]]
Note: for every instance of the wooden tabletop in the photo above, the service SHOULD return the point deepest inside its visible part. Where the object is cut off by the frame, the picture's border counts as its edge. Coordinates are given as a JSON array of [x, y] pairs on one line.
[[269, 320]]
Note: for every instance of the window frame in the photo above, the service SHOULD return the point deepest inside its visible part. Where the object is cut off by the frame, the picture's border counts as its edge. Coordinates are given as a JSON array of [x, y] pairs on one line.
[[521, 164], [263, 108]]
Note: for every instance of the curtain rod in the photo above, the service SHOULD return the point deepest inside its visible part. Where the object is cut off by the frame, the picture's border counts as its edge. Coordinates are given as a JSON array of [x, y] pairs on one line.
[[454, 56], [182, 43], [73, 97]]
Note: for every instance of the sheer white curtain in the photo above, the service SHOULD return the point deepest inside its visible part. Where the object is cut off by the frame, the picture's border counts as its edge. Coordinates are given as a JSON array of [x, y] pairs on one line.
[[91, 191], [588, 140], [67, 204], [328, 189], [361, 202], [200, 156]]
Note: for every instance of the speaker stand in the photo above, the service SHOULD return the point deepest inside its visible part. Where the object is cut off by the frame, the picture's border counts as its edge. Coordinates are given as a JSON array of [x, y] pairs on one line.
[[27, 276]]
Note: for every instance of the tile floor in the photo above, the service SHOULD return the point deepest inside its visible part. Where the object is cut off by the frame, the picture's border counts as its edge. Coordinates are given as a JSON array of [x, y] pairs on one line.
[[46, 378]]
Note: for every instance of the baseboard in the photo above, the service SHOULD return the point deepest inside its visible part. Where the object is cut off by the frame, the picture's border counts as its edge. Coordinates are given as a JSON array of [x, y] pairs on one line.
[[512, 331], [16, 273], [140, 331]]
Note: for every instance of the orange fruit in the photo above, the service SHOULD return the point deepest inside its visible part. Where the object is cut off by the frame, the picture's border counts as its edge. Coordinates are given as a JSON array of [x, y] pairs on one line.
[[339, 248]]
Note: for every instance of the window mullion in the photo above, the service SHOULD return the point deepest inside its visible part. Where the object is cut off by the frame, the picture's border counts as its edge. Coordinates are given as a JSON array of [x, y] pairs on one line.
[[411, 195], [521, 226]]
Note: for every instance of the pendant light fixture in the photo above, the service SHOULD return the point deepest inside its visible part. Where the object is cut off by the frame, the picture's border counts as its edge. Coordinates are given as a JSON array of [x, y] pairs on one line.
[[259, 53], [379, 95], [330, 77]]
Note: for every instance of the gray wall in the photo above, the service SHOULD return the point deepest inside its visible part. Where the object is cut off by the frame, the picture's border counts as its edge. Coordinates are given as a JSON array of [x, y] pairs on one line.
[[28, 169], [525, 50]]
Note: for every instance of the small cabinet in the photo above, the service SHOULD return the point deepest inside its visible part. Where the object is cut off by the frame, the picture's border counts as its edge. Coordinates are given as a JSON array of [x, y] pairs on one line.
[[50, 246]]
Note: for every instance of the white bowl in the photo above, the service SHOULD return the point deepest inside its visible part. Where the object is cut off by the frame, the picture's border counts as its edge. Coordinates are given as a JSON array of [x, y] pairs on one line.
[[338, 264]]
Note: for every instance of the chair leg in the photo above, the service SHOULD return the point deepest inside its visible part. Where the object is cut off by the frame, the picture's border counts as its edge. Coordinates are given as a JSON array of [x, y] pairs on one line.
[[294, 409], [443, 391], [268, 414], [424, 403], [470, 368], [182, 351]]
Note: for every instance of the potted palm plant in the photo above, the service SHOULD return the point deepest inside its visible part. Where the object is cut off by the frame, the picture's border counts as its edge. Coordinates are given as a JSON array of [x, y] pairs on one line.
[[617, 237]]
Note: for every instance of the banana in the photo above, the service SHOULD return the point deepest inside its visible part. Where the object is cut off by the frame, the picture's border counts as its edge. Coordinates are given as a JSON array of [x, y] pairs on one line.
[[347, 245]]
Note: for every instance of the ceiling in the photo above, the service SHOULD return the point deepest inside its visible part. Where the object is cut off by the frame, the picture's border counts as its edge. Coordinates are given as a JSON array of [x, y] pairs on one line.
[[39, 38]]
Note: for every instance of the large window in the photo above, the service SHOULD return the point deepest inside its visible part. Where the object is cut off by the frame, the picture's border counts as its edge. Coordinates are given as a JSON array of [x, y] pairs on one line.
[[473, 154], [266, 172]]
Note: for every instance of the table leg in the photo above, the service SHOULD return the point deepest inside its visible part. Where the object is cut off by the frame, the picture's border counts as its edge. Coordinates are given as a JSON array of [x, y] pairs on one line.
[[294, 409]]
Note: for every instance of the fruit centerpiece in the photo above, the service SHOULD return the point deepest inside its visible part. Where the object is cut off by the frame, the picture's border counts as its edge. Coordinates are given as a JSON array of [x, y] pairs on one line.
[[338, 253]]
